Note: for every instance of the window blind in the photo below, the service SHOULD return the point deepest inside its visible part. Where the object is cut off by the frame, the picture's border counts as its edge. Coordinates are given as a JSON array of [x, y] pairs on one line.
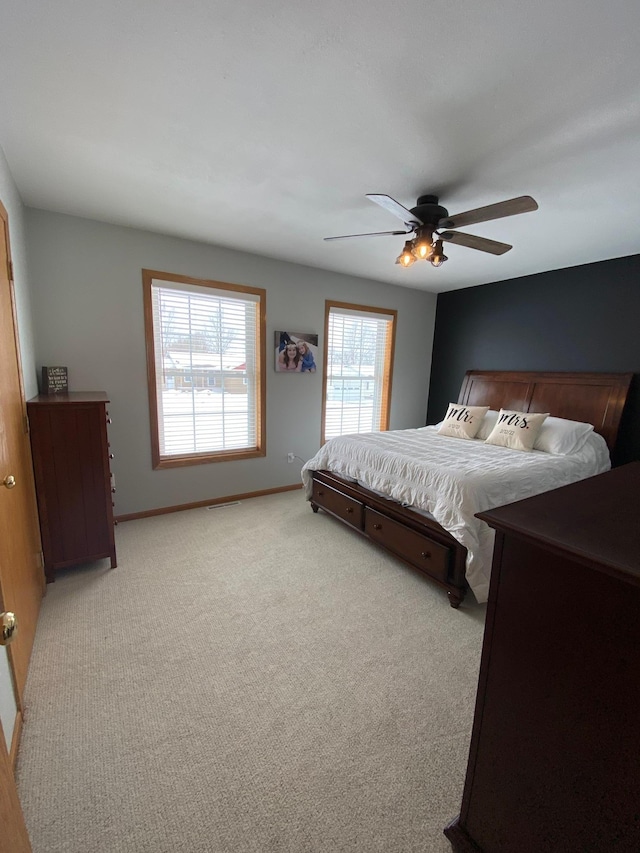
[[358, 371], [206, 368]]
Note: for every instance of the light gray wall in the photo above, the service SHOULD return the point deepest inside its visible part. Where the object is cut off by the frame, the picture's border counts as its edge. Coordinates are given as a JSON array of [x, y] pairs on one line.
[[13, 205], [88, 311]]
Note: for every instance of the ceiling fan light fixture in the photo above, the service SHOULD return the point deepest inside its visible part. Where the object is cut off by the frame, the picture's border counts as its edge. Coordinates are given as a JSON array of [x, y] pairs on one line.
[[428, 216], [406, 256], [438, 257]]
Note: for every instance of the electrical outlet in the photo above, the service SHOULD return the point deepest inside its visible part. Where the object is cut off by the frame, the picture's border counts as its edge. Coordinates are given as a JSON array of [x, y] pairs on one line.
[[291, 457]]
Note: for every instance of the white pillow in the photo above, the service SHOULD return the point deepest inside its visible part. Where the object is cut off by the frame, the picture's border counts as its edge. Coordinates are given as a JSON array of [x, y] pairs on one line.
[[462, 421], [562, 437], [487, 424], [517, 430]]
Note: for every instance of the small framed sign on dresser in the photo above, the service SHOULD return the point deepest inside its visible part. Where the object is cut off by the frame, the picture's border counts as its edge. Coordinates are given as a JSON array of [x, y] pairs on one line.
[[55, 380]]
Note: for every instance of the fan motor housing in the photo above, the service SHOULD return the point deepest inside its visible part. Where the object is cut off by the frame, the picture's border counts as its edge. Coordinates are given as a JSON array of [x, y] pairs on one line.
[[428, 210]]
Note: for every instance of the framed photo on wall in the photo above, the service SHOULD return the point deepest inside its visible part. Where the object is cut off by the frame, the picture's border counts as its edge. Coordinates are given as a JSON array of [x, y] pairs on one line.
[[296, 352]]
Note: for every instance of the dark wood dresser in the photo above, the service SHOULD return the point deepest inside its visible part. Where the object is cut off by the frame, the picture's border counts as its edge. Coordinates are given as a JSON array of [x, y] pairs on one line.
[[71, 455], [554, 762]]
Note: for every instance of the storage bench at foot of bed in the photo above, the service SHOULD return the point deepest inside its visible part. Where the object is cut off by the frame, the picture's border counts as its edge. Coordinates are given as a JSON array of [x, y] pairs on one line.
[[416, 540]]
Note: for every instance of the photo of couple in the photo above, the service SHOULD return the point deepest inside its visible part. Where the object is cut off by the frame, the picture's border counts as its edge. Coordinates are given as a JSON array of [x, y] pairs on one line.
[[296, 352]]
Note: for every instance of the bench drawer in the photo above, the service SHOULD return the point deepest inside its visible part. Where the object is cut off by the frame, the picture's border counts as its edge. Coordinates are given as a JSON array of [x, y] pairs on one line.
[[415, 548], [339, 504]]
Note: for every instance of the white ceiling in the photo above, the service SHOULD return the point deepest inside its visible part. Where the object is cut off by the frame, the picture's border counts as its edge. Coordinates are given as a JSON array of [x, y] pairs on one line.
[[261, 125]]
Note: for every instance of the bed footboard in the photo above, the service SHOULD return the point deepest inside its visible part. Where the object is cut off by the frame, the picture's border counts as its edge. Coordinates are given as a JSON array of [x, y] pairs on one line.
[[420, 542]]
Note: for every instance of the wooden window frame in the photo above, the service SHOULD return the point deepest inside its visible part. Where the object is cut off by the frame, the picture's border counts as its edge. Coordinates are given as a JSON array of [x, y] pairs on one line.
[[389, 357], [176, 461]]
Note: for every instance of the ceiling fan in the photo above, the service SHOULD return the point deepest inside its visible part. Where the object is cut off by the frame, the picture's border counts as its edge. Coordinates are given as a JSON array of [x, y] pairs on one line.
[[427, 217]]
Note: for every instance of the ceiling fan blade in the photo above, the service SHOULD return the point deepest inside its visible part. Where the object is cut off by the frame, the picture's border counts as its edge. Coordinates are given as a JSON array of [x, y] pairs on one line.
[[473, 242], [522, 204], [372, 234], [394, 207]]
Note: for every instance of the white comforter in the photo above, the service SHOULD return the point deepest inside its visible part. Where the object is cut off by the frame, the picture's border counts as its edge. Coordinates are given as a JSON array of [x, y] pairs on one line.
[[453, 479]]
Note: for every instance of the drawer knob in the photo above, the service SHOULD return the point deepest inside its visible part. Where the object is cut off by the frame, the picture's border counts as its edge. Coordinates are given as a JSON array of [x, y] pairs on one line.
[[109, 420], [112, 456], [349, 509], [426, 555], [113, 491], [377, 527]]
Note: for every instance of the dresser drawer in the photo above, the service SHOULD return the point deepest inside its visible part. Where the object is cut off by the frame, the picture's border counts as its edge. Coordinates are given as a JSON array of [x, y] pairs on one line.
[[339, 504], [415, 548]]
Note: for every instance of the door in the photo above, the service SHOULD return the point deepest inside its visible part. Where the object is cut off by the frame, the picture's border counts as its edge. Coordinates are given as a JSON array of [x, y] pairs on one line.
[[21, 575], [13, 832]]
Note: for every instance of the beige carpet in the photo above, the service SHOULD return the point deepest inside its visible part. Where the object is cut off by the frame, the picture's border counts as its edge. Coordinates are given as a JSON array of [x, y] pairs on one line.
[[250, 678]]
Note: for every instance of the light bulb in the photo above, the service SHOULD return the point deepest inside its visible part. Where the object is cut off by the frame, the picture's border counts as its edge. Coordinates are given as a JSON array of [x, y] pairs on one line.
[[406, 256], [422, 246], [438, 257]]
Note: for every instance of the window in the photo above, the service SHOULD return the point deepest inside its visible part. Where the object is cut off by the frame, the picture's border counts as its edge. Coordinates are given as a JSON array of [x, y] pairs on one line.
[[206, 369], [357, 369]]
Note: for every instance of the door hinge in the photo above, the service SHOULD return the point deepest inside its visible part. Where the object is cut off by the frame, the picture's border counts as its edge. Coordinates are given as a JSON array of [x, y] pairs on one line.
[[41, 559], [26, 424], [10, 265]]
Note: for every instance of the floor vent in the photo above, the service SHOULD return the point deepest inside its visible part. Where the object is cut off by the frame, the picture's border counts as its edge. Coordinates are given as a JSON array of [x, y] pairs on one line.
[[222, 506]]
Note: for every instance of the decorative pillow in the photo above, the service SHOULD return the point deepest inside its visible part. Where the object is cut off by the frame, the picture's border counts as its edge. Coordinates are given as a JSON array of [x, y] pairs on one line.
[[517, 430], [561, 436], [487, 424], [462, 421]]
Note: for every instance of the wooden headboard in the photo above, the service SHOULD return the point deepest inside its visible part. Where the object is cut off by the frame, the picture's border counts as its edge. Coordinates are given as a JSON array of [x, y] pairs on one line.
[[594, 398]]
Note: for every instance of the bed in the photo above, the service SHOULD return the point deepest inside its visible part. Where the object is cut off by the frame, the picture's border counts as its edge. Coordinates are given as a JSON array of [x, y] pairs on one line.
[[416, 492]]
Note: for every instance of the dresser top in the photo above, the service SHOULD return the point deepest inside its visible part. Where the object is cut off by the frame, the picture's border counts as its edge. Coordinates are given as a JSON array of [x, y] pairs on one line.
[[70, 397], [596, 521]]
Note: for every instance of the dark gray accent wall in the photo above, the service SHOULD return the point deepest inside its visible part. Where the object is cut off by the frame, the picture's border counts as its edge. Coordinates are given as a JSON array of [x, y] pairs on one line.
[[584, 318]]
